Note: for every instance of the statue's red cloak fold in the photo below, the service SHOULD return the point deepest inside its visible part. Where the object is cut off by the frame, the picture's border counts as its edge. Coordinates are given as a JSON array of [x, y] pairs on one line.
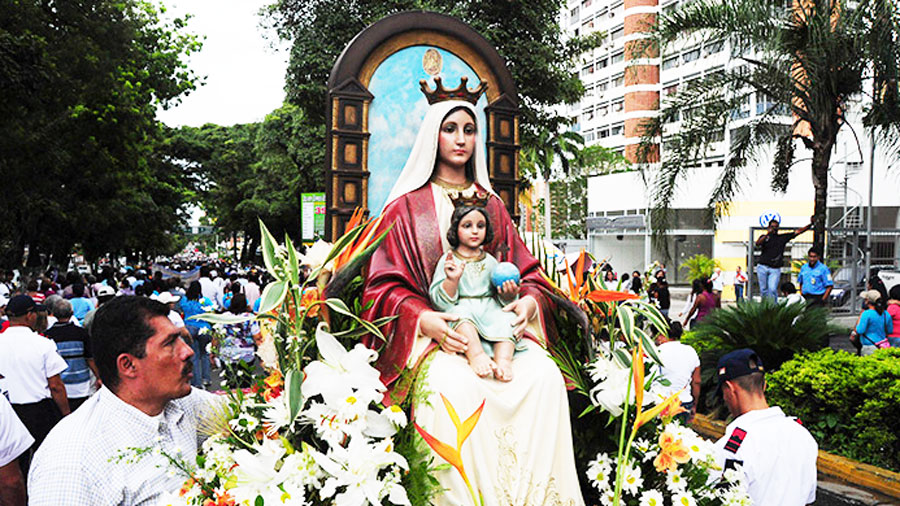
[[399, 273]]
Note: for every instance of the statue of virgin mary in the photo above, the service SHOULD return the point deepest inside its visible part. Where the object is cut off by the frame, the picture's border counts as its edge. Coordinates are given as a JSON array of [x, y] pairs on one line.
[[520, 451]]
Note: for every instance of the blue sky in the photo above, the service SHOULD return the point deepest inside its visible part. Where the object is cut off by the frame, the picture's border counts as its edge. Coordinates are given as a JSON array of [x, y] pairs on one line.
[[397, 112]]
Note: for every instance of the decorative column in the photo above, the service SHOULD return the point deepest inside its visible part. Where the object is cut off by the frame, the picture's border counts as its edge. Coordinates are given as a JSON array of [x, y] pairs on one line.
[[642, 65]]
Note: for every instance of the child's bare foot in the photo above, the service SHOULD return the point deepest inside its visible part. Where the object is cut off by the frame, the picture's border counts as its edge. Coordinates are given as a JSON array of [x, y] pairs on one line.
[[482, 365], [503, 372]]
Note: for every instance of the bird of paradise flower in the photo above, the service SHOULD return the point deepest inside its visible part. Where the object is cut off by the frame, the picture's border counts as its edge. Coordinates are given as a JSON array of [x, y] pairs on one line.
[[454, 455]]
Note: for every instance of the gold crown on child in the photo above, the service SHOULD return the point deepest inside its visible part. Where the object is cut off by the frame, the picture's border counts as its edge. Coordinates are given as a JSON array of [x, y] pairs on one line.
[[470, 198], [461, 92]]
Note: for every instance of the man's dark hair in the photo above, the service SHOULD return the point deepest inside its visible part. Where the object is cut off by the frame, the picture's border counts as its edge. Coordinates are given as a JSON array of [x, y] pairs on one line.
[[788, 287], [458, 214], [122, 325], [815, 249], [895, 292], [77, 290], [675, 331]]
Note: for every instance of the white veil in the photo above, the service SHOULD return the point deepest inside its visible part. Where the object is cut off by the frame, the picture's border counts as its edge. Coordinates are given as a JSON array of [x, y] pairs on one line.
[[420, 164]]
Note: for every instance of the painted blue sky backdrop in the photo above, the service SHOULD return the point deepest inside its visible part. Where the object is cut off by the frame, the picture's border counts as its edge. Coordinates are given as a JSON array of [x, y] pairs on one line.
[[397, 110]]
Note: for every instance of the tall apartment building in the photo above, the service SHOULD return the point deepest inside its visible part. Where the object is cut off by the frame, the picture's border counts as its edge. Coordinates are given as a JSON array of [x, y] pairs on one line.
[[623, 87]]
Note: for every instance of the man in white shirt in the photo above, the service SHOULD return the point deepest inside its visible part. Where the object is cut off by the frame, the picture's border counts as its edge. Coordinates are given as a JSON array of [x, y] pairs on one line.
[[208, 287], [14, 441], [146, 402], [775, 452], [681, 366], [31, 367]]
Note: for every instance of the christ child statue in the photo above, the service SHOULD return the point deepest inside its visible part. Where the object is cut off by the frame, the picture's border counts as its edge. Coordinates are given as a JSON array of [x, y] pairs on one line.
[[462, 286]]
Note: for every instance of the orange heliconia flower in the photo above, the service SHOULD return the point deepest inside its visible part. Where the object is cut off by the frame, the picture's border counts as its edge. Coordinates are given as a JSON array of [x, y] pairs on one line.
[[671, 453], [361, 242], [610, 296], [450, 454]]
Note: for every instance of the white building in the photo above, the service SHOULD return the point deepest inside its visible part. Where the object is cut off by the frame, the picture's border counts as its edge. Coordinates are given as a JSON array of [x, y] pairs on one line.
[[618, 203]]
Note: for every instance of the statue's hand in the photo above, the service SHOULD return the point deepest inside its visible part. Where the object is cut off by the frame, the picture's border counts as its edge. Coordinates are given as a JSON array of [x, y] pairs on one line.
[[433, 324], [525, 309], [453, 269], [509, 290]]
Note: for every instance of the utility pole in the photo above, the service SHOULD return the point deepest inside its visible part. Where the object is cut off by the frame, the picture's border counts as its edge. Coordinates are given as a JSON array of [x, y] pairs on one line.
[[869, 211]]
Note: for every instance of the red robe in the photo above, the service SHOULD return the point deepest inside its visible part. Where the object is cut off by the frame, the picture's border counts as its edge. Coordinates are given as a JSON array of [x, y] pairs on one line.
[[400, 271]]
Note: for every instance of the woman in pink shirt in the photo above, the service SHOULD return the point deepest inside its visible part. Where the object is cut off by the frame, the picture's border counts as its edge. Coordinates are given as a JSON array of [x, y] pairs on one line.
[[893, 308]]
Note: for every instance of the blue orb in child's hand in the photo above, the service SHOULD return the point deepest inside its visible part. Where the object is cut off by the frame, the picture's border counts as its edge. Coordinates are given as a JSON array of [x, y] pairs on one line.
[[504, 272]]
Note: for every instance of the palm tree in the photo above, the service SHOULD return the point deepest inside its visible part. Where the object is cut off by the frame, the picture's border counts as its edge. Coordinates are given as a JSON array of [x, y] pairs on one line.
[[811, 58], [541, 159]]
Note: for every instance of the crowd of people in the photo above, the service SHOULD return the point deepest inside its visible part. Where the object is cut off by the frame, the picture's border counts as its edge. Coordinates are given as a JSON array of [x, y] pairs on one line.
[[49, 365]]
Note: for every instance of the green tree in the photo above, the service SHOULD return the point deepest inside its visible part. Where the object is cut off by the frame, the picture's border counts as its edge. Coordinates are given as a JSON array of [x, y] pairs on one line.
[[81, 83], [253, 171], [527, 36], [570, 190], [811, 58]]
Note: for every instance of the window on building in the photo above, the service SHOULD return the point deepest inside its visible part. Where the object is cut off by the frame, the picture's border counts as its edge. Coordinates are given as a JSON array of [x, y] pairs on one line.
[[573, 16], [618, 80], [717, 137], [587, 70], [617, 57], [743, 109], [602, 109], [670, 63], [714, 47], [763, 103], [586, 3], [617, 129], [602, 63], [618, 105], [691, 55], [589, 136], [602, 134], [602, 87], [589, 114], [670, 88], [618, 32]]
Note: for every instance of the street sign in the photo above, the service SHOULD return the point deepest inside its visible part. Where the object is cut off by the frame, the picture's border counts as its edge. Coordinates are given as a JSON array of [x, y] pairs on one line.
[[312, 216], [768, 216]]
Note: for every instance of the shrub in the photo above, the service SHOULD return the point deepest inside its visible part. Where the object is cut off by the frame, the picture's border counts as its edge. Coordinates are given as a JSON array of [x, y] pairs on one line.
[[776, 331], [850, 404], [699, 266]]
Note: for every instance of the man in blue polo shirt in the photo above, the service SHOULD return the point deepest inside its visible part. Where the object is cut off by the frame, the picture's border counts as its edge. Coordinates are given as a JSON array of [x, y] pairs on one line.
[[815, 279]]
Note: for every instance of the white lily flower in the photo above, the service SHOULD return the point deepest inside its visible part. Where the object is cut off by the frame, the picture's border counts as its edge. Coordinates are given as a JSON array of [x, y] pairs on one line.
[[341, 374], [395, 414], [256, 474], [355, 470], [277, 414], [315, 255]]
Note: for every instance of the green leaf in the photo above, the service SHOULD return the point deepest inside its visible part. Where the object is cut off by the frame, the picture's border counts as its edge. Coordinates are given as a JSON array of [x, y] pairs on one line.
[[272, 296], [649, 345], [221, 319], [339, 306], [292, 388], [626, 323], [293, 262], [268, 250]]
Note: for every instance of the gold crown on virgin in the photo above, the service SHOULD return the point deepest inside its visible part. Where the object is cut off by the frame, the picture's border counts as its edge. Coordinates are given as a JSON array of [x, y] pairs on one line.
[[461, 92], [468, 198]]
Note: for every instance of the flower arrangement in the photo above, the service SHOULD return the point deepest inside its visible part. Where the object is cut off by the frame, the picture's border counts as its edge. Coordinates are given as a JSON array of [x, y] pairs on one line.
[[653, 460], [314, 430]]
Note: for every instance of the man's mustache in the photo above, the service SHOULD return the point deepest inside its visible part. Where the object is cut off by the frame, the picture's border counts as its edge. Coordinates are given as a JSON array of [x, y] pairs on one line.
[[187, 369]]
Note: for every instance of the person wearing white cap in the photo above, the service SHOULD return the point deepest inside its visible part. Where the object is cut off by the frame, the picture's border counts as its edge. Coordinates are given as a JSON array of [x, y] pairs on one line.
[[169, 299]]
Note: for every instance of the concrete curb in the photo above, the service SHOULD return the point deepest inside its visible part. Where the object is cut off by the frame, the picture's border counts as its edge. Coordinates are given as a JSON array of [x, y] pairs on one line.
[[840, 468]]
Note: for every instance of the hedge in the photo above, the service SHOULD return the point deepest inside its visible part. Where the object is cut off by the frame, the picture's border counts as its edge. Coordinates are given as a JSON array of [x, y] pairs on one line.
[[850, 404]]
